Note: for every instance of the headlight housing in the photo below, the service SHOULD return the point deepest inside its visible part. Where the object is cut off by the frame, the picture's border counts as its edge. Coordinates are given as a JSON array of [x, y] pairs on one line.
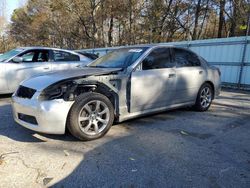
[[60, 90]]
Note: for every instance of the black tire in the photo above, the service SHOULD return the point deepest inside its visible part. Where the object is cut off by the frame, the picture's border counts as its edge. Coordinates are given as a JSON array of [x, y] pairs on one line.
[[76, 110], [198, 104]]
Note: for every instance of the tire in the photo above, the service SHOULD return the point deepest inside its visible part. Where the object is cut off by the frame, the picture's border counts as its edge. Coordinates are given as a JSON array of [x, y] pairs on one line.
[[91, 116], [204, 98]]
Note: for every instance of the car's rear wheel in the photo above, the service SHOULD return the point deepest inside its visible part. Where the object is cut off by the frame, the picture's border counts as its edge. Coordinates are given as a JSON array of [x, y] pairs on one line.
[[91, 116], [204, 98]]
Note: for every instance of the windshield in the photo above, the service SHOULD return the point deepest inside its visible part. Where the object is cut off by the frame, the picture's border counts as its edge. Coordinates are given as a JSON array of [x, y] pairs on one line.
[[120, 58], [9, 54]]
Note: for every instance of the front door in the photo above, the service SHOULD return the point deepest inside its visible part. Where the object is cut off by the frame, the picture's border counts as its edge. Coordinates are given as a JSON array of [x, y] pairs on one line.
[[153, 82]]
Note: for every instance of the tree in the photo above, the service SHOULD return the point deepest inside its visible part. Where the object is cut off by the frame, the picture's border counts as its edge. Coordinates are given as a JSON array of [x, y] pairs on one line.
[[221, 18], [99, 23]]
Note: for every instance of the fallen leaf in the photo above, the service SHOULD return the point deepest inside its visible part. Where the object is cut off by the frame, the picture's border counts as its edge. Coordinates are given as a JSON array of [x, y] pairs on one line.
[[66, 152], [63, 166], [1, 161], [184, 133], [47, 180], [134, 170], [132, 159]]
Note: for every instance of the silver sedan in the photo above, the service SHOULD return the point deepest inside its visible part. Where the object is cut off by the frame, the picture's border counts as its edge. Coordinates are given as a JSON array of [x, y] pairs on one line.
[[22, 63], [126, 83]]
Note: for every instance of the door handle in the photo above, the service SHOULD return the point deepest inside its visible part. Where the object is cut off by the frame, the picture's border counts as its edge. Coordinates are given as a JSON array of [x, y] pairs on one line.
[[200, 72], [46, 68], [78, 66], [171, 75]]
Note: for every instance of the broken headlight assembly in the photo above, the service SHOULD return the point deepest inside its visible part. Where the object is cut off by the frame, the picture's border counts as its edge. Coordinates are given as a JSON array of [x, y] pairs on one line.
[[62, 90]]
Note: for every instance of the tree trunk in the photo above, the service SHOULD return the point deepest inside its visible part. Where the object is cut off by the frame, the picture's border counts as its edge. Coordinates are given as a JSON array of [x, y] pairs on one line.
[[204, 19], [233, 19], [111, 24], [167, 12], [130, 21], [221, 18], [197, 13]]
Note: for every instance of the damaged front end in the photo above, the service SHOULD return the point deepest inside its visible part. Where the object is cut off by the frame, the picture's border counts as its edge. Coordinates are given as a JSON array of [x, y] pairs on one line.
[[67, 90]]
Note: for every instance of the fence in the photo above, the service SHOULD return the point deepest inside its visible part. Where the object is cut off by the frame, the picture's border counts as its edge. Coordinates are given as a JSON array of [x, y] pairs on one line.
[[230, 55]]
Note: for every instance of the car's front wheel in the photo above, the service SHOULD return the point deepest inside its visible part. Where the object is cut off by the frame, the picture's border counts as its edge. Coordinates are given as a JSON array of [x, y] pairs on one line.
[[91, 116], [204, 98]]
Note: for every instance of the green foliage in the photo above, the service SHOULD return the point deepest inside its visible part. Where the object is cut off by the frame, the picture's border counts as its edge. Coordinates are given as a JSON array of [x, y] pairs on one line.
[[98, 23]]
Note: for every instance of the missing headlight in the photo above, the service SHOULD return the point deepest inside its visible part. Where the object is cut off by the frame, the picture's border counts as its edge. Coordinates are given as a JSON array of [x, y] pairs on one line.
[[57, 91], [67, 91]]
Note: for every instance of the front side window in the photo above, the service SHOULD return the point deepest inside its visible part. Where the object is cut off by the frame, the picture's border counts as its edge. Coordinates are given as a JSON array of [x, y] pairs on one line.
[[65, 56], [185, 58], [35, 56], [158, 59]]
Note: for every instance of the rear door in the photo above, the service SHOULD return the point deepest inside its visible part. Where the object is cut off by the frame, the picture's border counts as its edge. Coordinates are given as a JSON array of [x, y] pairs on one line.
[[190, 75], [63, 60], [35, 62], [153, 82]]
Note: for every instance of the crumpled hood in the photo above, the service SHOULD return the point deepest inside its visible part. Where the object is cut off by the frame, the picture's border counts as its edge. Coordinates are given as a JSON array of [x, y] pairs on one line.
[[43, 81]]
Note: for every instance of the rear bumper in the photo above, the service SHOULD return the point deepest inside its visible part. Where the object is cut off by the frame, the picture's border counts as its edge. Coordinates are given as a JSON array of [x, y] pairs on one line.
[[50, 116]]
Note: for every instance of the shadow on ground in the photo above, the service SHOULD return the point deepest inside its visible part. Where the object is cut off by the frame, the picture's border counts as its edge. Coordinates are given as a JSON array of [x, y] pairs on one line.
[[164, 154]]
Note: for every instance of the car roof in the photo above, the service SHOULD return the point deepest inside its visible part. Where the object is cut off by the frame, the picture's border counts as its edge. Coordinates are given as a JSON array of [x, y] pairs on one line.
[[127, 46], [114, 48], [49, 48], [43, 48], [138, 46], [151, 46]]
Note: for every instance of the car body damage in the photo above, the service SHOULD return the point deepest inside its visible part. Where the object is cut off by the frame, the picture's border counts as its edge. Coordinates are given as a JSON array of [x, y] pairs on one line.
[[149, 79]]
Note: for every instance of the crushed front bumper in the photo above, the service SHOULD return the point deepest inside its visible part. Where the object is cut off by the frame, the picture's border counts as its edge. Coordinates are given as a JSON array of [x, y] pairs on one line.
[[42, 116]]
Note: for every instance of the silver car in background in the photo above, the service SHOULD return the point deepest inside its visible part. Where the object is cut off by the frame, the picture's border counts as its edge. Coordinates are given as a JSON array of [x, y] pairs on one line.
[[22, 63], [126, 83]]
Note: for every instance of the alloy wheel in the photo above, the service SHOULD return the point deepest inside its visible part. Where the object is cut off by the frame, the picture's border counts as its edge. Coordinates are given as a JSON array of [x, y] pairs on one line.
[[206, 97], [93, 117]]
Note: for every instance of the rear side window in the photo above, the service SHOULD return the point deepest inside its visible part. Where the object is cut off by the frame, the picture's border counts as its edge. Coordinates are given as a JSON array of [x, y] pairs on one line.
[[158, 59], [43, 56], [65, 56], [185, 58]]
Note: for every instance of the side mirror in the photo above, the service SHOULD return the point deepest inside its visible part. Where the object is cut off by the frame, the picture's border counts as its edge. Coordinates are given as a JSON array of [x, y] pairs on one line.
[[17, 59]]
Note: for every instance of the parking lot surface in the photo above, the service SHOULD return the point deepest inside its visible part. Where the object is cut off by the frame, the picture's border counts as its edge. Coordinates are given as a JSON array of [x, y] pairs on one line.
[[179, 148]]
